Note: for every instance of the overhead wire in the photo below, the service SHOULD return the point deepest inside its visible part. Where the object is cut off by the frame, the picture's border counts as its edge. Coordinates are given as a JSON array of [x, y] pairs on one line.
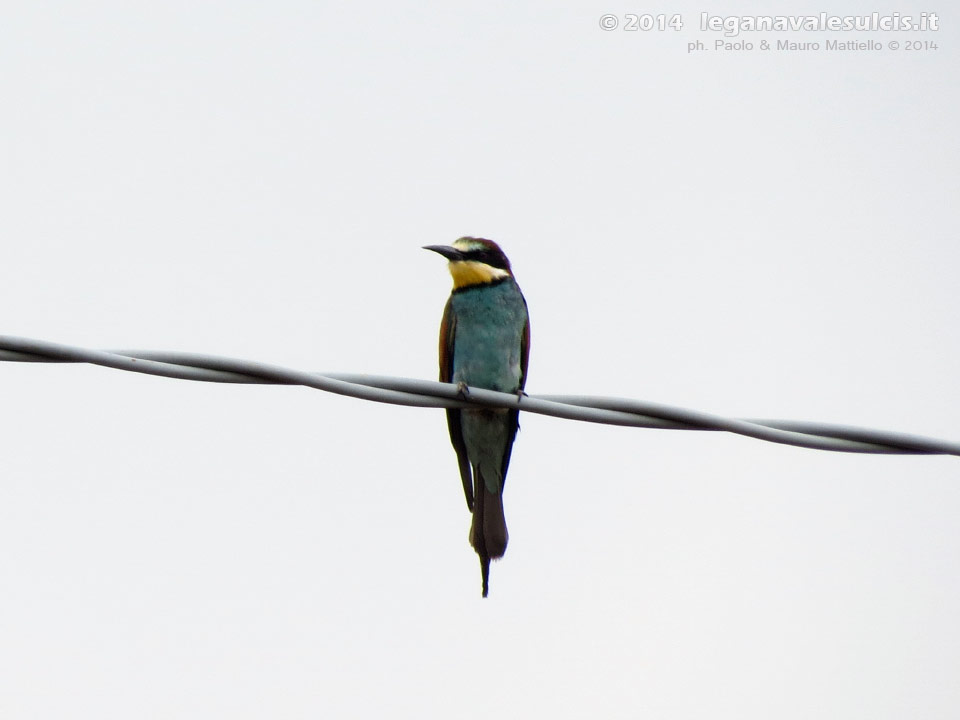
[[426, 393]]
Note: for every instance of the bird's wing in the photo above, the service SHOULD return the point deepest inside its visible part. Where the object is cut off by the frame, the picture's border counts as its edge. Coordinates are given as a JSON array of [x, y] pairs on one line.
[[448, 328], [524, 351]]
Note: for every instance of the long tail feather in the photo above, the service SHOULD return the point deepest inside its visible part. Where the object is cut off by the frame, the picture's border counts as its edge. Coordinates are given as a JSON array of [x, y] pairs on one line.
[[488, 531]]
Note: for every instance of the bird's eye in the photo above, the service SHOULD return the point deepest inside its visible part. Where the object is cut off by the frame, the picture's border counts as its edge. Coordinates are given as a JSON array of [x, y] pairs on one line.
[[489, 257]]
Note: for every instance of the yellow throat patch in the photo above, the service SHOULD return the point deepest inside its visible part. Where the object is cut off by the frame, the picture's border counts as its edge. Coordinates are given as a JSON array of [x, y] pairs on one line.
[[470, 272]]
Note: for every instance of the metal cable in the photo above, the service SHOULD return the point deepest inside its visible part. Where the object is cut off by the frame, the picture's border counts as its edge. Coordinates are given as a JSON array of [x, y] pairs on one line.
[[425, 393]]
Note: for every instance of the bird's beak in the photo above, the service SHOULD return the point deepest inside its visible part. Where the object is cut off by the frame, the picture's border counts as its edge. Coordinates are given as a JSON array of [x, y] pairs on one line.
[[450, 253]]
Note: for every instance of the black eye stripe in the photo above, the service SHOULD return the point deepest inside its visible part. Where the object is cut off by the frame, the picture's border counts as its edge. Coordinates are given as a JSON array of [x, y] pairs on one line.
[[489, 257]]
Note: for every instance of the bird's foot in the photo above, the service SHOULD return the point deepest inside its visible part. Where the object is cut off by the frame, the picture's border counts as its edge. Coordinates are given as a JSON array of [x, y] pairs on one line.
[[462, 390]]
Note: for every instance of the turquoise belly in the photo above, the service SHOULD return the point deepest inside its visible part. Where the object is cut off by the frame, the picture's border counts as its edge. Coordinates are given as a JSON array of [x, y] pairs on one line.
[[489, 328]]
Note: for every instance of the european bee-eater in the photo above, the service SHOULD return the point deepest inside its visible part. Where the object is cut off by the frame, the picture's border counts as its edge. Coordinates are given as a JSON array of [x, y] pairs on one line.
[[484, 343]]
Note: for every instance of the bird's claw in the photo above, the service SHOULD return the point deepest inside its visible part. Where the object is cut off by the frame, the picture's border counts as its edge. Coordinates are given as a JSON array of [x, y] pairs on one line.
[[462, 390]]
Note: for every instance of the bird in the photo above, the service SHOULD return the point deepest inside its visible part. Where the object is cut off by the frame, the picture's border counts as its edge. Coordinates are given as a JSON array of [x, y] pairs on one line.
[[484, 343]]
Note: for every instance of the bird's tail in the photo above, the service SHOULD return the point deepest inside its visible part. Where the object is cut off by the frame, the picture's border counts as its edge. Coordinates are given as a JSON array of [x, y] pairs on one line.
[[488, 531]]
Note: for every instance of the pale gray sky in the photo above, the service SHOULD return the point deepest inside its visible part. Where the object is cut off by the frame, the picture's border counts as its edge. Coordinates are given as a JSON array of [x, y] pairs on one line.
[[751, 233]]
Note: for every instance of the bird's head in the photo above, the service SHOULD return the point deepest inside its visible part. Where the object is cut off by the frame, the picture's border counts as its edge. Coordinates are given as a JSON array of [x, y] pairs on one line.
[[474, 261]]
